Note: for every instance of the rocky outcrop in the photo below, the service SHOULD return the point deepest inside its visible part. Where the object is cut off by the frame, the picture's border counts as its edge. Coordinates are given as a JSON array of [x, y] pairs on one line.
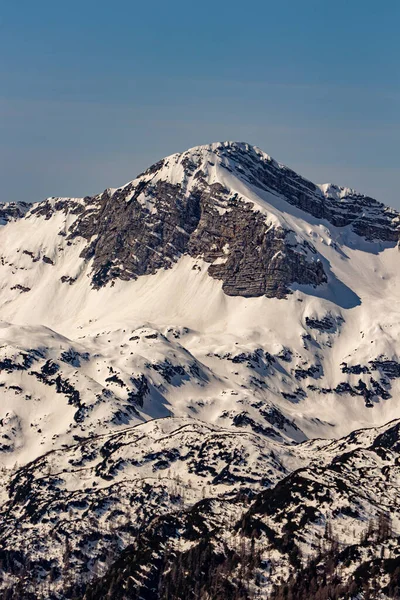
[[13, 210], [251, 258], [327, 324], [130, 240]]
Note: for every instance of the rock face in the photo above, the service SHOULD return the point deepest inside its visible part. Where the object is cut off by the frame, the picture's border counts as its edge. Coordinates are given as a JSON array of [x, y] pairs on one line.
[[249, 257], [13, 210]]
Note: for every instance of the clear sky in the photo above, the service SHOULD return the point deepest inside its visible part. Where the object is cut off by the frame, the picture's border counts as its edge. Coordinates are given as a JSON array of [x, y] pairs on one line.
[[92, 92]]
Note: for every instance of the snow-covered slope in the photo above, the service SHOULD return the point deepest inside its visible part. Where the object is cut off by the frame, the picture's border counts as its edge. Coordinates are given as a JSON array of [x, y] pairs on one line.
[[218, 291], [315, 343]]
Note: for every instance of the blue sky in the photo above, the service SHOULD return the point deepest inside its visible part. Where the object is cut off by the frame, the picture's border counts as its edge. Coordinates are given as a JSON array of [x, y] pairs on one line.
[[92, 92]]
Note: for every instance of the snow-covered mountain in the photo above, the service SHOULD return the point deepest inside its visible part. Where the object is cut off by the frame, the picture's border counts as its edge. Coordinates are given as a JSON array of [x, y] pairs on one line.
[[182, 337]]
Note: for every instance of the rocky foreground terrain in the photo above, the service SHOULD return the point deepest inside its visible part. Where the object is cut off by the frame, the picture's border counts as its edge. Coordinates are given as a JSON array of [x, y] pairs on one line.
[[200, 380]]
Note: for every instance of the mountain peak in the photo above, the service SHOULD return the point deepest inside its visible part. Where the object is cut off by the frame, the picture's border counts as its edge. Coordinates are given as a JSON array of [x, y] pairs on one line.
[[225, 146], [230, 204]]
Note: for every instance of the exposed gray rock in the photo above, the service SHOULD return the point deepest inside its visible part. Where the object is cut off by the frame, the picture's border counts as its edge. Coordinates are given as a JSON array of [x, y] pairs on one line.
[[340, 206], [328, 323], [258, 260], [13, 210]]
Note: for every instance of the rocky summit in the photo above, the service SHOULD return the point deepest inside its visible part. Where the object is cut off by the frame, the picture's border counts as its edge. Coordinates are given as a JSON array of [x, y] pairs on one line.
[[200, 383], [209, 202]]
